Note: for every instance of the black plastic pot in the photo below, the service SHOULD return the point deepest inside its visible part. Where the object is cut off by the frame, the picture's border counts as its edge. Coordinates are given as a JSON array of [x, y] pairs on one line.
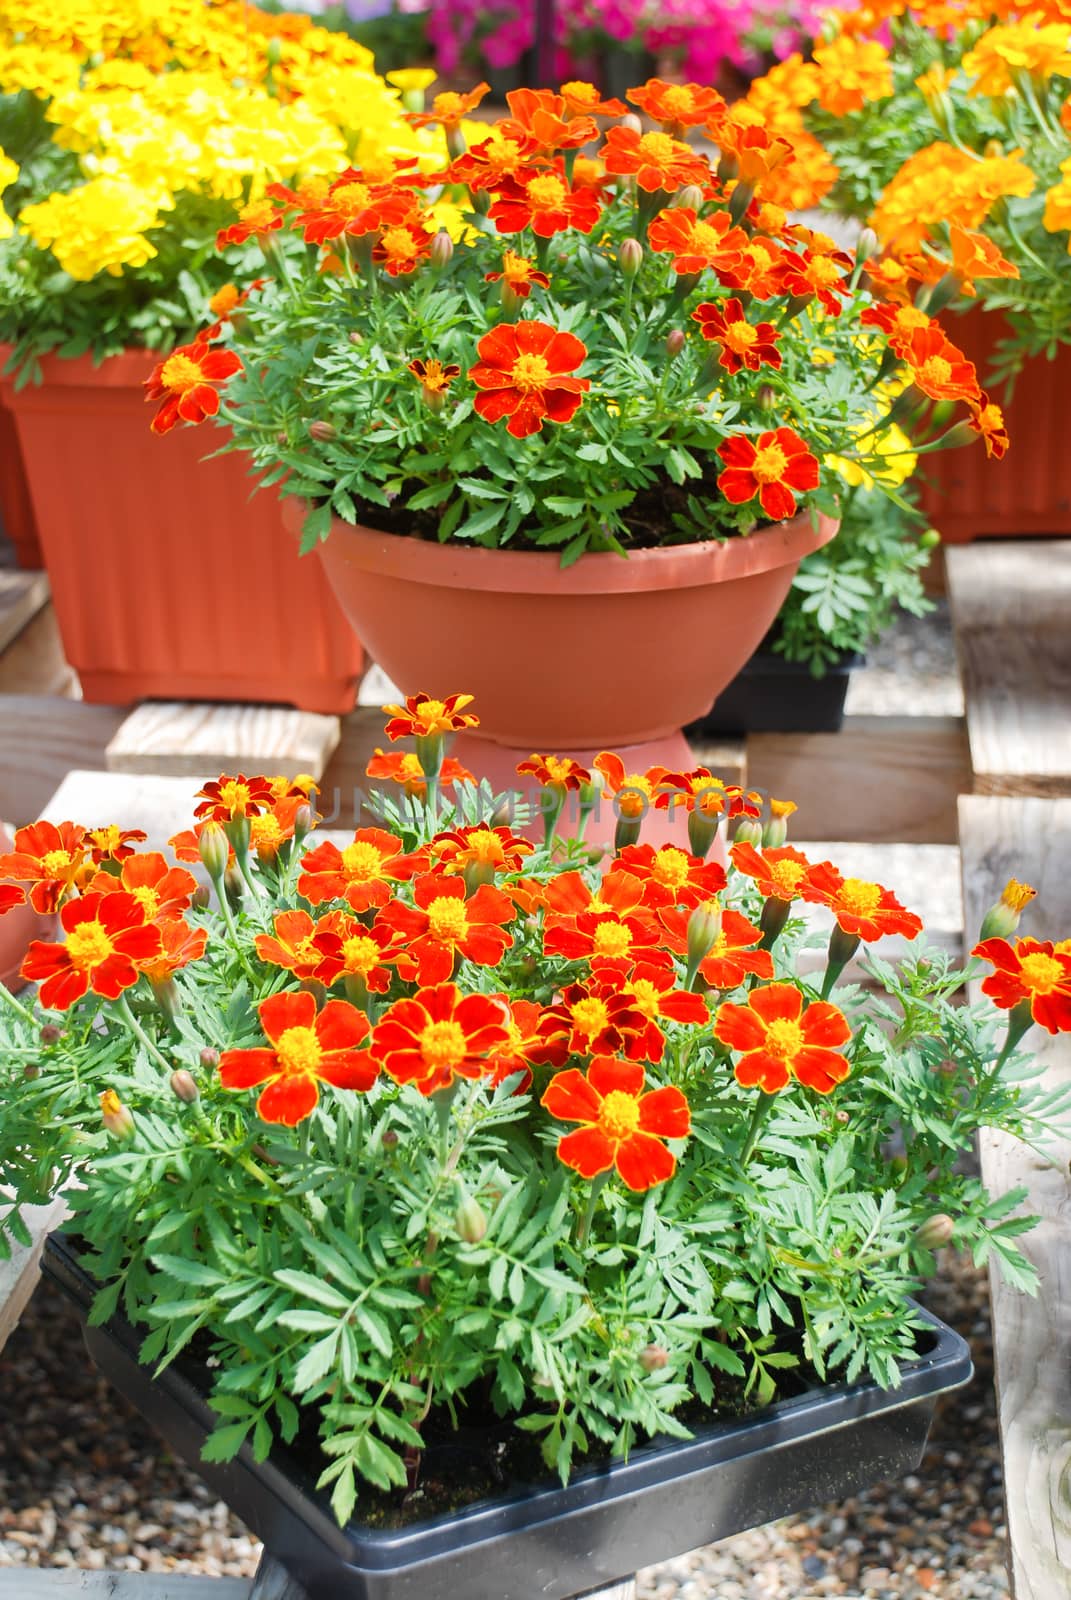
[[540, 1539], [772, 695]]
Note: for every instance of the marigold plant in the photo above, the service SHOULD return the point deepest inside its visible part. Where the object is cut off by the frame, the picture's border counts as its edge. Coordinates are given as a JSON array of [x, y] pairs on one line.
[[619, 342], [390, 1127]]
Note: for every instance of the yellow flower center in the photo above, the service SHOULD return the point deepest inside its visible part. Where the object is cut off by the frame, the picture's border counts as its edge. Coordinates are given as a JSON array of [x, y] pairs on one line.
[[515, 1038], [312, 193], [678, 100], [409, 768], [88, 945], [1041, 973], [223, 300], [265, 834], [558, 769], [147, 897], [619, 1115], [670, 867], [259, 214], [739, 337], [612, 939], [658, 148], [434, 379], [821, 271], [546, 192], [442, 1044], [910, 317], [55, 862], [360, 954], [432, 713], [235, 796], [530, 373], [107, 839], [706, 241], [180, 373], [784, 1038], [770, 464], [398, 244], [859, 897], [501, 155], [646, 996], [485, 846], [447, 920], [516, 269], [629, 802], [299, 1051], [782, 808], [448, 106], [351, 198], [936, 370], [785, 877], [589, 1015], [362, 861], [1017, 895]]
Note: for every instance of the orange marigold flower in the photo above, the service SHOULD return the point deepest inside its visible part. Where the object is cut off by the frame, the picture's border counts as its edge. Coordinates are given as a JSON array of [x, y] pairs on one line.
[[975, 256], [161, 889], [769, 467], [584, 100], [677, 105], [756, 270], [544, 201], [179, 945], [105, 940], [731, 957], [259, 217], [754, 152], [779, 873], [1035, 972], [698, 790], [352, 206], [743, 802], [421, 717], [544, 117], [568, 894], [817, 273], [695, 243], [486, 164], [628, 934], [183, 383], [852, 73], [48, 856], [405, 768], [743, 343], [449, 109], [477, 845], [671, 877], [361, 874], [438, 1035], [348, 949], [434, 379], [306, 1048], [780, 1039], [593, 1018], [633, 792], [656, 160], [656, 996], [11, 895], [899, 323], [113, 843], [401, 247], [444, 924], [988, 419], [864, 909], [622, 1127], [518, 275], [527, 1045], [555, 772], [291, 946], [524, 370], [938, 368], [227, 799], [889, 278]]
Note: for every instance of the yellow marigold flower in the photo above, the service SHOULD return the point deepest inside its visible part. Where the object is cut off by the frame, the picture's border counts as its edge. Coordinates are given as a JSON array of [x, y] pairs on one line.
[[782, 92], [851, 74], [1057, 217], [889, 457], [1005, 53], [99, 227], [412, 79], [44, 72], [8, 173], [800, 183], [944, 184]]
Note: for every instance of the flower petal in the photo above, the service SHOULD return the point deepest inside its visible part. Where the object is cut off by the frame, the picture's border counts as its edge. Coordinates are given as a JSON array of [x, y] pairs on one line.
[[587, 1150], [643, 1161], [244, 1069], [294, 1008], [288, 1100], [608, 1074], [665, 1112], [570, 1097]]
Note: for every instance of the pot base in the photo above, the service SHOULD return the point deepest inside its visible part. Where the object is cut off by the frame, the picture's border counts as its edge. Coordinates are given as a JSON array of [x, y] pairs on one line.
[[320, 695]]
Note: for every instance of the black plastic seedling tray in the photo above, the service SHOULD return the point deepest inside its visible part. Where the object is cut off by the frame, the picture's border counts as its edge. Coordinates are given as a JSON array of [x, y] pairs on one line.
[[772, 695], [542, 1541]]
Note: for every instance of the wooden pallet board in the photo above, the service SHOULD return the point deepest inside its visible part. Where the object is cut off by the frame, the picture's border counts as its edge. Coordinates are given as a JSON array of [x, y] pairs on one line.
[[175, 738], [159, 806], [41, 738], [1030, 838], [34, 663], [19, 1274], [1011, 606], [22, 595]]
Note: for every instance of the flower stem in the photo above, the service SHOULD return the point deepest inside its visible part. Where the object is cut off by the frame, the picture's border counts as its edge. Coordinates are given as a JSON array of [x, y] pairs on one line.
[[122, 1006], [758, 1117], [232, 927], [598, 1184], [16, 1005]]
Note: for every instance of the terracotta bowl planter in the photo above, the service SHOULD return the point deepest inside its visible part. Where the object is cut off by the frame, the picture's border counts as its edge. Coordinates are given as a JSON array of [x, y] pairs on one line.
[[1029, 492], [170, 579], [608, 653], [16, 510], [17, 929]]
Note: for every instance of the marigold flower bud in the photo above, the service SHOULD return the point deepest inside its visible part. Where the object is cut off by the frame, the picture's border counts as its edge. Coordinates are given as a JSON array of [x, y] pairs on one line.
[[691, 197], [389, 1140], [304, 821], [775, 832], [766, 397], [935, 1231], [31, 1071], [201, 898], [631, 120], [653, 1358], [209, 1057], [1001, 920], [214, 849], [704, 925], [183, 1085], [930, 539], [748, 831], [274, 51], [50, 1034], [115, 1116], [442, 249], [470, 1221], [324, 432], [630, 257], [867, 245], [674, 342]]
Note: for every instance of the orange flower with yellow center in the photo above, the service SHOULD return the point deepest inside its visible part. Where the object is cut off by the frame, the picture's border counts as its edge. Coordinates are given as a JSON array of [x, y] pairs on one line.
[[353, 206], [863, 909], [485, 165], [525, 372], [743, 343], [583, 99], [259, 217], [851, 74], [347, 949], [678, 105], [768, 469], [544, 202], [518, 275], [697, 244], [50, 857], [405, 768], [293, 944], [228, 799], [556, 772], [449, 108], [435, 379], [987, 419], [592, 1018], [545, 119], [421, 717], [938, 368], [160, 889], [780, 1039], [656, 160], [479, 846], [439, 1035], [975, 256], [1036, 973], [671, 876], [105, 941], [184, 384], [779, 873], [401, 247], [443, 924], [361, 874], [621, 1127], [305, 1048], [633, 792]]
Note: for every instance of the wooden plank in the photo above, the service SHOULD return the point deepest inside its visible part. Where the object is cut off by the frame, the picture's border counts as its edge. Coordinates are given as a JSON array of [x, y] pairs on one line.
[[1030, 839], [1011, 607], [160, 806], [22, 594], [180, 739], [881, 779], [41, 739], [34, 663], [19, 1274], [59, 1583]]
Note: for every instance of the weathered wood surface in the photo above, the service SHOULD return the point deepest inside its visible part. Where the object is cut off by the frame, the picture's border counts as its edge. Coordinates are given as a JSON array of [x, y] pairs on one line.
[[881, 779], [41, 739], [175, 738], [59, 1583], [34, 662], [22, 594], [161, 806], [1011, 606], [19, 1274], [1002, 837]]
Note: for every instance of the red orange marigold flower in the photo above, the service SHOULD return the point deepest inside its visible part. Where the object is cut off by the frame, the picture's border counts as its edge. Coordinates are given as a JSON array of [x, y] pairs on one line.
[[677, 105], [105, 941], [347, 949], [306, 1048], [450, 108], [112, 843], [361, 873], [583, 99], [864, 909], [354, 206], [48, 856], [731, 958], [655, 995], [670, 876], [440, 1034], [547, 120], [259, 217], [938, 368], [477, 845], [696, 243], [444, 924], [1033, 971], [518, 274], [291, 944], [400, 247], [524, 370], [769, 468], [227, 799], [780, 1039], [743, 343], [622, 1127], [543, 201], [179, 945], [987, 419], [161, 889], [183, 383], [404, 767], [421, 716], [555, 772], [634, 792], [780, 873], [656, 160]]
